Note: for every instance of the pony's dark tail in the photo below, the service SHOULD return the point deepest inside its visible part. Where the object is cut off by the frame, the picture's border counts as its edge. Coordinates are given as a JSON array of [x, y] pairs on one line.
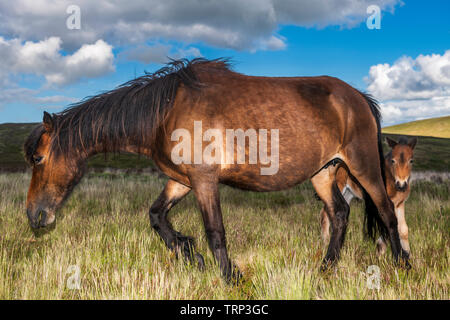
[[372, 221]]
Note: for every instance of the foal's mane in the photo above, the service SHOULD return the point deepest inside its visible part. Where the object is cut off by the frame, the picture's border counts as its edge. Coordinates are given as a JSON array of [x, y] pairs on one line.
[[130, 113]]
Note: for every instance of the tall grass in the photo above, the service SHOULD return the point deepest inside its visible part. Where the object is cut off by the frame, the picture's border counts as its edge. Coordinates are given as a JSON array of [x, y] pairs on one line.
[[274, 238]]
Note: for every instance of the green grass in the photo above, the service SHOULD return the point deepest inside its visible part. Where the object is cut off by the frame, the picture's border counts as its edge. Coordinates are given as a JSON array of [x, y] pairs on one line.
[[273, 237], [435, 127]]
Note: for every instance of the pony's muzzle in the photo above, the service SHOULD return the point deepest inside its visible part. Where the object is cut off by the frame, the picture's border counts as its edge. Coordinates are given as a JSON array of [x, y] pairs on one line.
[[38, 219], [401, 186]]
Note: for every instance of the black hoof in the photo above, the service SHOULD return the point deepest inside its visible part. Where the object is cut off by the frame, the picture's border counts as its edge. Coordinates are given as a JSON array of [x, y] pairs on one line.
[[200, 261], [185, 246], [407, 265], [403, 260], [233, 275], [326, 265]]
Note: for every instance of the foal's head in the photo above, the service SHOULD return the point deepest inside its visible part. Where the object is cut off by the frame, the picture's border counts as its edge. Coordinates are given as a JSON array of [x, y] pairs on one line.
[[54, 174], [400, 160]]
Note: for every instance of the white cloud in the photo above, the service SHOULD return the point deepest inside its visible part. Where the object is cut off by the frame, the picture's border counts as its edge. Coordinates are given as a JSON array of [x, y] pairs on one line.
[[273, 43], [44, 58], [412, 89], [410, 110], [408, 78], [236, 24], [18, 94], [158, 53], [90, 61]]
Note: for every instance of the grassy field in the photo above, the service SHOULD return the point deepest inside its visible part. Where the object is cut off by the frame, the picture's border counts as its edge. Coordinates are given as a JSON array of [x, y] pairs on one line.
[[273, 237], [435, 127]]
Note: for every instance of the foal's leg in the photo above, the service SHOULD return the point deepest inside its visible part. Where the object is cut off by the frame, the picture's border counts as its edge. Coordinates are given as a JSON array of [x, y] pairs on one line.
[[337, 210], [172, 193], [402, 227], [206, 190]]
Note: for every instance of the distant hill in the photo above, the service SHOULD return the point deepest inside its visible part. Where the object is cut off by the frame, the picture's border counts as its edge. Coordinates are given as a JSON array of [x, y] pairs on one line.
[[435, 127], [431, 153]]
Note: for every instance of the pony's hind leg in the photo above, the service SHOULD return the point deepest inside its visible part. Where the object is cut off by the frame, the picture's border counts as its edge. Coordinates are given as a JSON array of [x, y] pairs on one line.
[[342, 180], [172, 193], [324, 226], [325, 221], [336, 209]]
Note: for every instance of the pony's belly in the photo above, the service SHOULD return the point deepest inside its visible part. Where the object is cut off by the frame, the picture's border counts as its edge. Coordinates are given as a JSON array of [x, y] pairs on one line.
[[252, 180]]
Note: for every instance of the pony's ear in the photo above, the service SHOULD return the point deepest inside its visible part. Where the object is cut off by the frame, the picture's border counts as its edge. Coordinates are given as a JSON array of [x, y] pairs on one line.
[[391, 142], [48, 122], [412, 142]]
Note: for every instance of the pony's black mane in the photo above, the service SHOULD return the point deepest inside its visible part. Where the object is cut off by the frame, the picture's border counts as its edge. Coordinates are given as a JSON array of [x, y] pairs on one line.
[[130, 113]]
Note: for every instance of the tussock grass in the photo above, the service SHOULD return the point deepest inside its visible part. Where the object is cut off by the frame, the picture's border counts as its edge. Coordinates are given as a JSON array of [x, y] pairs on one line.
[[274, 238]]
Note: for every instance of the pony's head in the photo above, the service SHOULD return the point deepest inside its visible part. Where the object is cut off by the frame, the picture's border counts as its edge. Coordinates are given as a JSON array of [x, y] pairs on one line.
[[400, 160], [54, 174]]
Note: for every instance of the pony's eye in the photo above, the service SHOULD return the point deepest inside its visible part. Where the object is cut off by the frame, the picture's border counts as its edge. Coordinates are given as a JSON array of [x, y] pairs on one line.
[[411, 161], [37, 159], [392, 161]]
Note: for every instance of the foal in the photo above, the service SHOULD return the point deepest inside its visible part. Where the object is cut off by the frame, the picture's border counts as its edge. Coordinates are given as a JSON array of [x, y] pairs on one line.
[[397, 171]]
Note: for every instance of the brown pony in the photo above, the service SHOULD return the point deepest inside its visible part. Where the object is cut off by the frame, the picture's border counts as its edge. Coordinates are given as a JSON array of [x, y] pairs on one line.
[[319, 120], [397, 171]]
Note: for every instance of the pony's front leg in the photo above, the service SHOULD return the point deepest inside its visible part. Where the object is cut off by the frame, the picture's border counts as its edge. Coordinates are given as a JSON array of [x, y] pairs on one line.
[[172, 193], [206, 190]]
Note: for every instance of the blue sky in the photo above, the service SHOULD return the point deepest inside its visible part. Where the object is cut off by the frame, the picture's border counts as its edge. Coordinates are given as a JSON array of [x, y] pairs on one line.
[[405, 64]]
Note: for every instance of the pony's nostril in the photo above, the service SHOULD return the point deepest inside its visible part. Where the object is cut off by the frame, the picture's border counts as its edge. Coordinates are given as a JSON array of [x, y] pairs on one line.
[[42, 218], [37, 220], [401, 186], [34, 219]]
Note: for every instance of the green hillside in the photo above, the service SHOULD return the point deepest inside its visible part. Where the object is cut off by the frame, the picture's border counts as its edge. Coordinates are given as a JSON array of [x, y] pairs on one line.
[[431, 153], [435, 127]]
